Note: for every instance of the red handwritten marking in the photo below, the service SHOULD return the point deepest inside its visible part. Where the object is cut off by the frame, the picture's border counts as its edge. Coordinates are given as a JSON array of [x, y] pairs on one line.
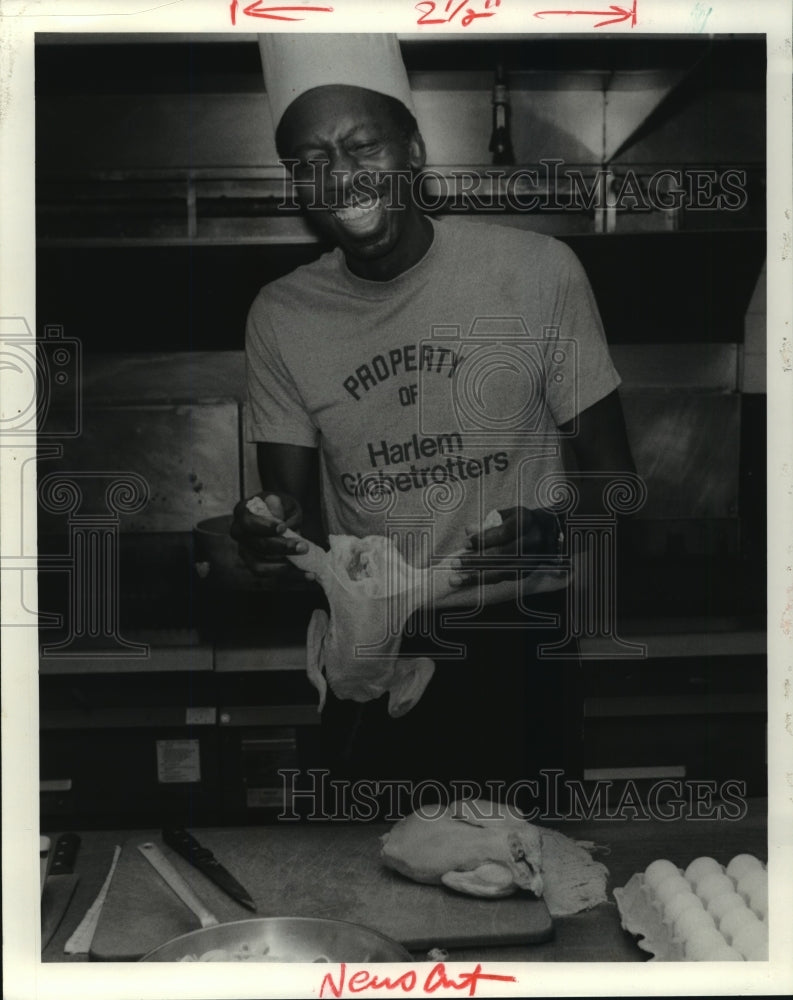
[[278, 13], [428, 7], [436, 979], [233, 9], [472, 15], [425, 17], [614, 14]]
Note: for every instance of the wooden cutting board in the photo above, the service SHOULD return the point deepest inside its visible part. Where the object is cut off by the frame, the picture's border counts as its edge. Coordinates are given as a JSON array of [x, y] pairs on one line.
[[303, 870]]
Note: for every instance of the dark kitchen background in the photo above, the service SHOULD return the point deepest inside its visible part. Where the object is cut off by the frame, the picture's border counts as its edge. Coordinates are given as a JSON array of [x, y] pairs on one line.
[[177, 687]]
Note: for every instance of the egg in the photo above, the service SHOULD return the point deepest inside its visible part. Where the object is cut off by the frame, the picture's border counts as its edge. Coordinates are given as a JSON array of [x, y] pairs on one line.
[[679, 904], [752, 942], [741, 864], [732, 923], [724, 953], [692, 920], [757, 953], [710, 913], [758, 901], [700, 867], [702, 943], [657, 871], [722, 904], [672, 885], [713, 885], [751, 882]]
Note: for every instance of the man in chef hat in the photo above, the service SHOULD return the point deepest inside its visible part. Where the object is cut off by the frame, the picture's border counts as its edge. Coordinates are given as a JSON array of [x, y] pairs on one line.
[[353, 397], [344, 121]]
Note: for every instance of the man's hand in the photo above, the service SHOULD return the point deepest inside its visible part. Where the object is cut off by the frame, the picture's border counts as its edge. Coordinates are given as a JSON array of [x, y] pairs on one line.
[[259, 536], [522, 532]]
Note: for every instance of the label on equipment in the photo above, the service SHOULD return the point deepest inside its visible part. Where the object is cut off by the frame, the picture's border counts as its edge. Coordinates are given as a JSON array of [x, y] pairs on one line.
[[178, 761], [200, 716]]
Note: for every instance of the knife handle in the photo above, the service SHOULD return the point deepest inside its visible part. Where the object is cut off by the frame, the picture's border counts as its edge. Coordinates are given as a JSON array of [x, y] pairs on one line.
[[65, 854], [186, 845], [163, 866], [44, 859]]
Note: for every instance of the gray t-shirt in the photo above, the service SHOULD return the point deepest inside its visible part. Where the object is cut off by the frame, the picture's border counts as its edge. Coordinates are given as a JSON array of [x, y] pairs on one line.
[[436, 395]]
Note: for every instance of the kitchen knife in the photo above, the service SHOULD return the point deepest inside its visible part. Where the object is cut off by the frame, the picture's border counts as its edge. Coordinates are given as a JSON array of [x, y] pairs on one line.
[[44, 859], [59, 885], [204, 860]]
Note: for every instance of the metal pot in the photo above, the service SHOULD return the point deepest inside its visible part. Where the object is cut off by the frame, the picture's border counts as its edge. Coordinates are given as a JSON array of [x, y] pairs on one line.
[[217, 559], [283, 939]]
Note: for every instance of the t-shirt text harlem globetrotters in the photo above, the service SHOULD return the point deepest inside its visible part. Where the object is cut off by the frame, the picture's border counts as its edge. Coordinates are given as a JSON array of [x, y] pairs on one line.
[[437, 394], [421, 459]]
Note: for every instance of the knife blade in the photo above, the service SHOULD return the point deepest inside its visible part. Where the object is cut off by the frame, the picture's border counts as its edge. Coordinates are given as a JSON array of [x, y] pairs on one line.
[[59, 885], [205, 861]]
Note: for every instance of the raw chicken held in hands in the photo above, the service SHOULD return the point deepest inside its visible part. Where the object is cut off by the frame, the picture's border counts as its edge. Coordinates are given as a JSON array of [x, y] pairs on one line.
[[371, 591]]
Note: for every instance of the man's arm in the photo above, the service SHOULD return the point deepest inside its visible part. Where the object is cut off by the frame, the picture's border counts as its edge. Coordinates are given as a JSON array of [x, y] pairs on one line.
[[289, 475], [294, 470], [600, 444], [601, 440]]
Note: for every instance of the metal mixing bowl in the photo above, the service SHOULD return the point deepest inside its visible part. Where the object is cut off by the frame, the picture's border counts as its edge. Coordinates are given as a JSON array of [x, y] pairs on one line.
[[285, 939]]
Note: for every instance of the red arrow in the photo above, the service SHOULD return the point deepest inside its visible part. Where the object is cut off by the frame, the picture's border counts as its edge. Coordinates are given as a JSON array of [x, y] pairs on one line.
[[282, 13], [614, 14]]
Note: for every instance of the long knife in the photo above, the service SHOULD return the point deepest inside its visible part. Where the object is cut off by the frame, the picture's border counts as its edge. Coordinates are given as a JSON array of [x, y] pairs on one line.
[[59, 885], [205, 861]]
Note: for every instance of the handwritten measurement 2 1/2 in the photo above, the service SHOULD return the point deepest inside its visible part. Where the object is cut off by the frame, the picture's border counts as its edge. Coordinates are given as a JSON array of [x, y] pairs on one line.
[[433, 12]]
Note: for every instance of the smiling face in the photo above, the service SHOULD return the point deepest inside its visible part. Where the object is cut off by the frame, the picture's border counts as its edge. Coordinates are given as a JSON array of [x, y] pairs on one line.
[[353, 154]]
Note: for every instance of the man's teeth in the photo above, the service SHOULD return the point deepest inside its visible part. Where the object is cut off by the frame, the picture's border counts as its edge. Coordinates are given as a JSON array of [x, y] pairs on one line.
[[357, 211]]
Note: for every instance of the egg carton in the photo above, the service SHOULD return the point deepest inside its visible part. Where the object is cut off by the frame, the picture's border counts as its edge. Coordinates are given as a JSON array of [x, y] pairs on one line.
[[705, 913]]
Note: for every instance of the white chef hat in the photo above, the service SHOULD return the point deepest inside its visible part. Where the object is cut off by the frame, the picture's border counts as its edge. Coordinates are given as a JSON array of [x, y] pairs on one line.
[[295, 63]]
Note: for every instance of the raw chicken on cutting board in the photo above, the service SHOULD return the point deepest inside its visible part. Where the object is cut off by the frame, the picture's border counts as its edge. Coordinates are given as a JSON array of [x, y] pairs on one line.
[[468, 849], [484, 849]]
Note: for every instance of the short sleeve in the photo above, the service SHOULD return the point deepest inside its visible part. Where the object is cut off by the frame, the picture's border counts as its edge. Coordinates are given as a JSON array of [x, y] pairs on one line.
[[579, 366], [276, 412]]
